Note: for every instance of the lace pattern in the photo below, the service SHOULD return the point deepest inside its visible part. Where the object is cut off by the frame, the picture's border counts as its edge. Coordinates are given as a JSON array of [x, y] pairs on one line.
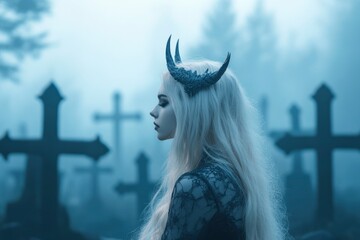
[[205, 204]]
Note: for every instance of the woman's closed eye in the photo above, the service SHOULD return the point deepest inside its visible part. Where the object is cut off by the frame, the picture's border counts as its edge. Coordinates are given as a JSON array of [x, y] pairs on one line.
[[163, 103]]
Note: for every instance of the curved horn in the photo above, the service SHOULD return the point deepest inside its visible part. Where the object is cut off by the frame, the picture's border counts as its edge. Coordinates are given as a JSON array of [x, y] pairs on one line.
[[177, 53], [217, 75], [192, 81], [173, 69], [169, 59]]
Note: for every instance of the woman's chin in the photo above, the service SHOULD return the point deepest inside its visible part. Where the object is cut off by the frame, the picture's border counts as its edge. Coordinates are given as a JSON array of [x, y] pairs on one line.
[[163, 138]]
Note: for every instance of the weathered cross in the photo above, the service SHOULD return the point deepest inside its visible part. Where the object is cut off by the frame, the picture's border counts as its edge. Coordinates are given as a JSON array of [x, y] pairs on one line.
[[295, 129], [294, 111], [26, 210], [32, 185], [94, 170], [298, 190], [32, 171], [143, 188], [297, 184], [49, 148], [117, 117], [324, 142]]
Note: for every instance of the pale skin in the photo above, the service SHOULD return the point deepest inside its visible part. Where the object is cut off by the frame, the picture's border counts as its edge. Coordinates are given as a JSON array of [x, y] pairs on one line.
[[164, 116]]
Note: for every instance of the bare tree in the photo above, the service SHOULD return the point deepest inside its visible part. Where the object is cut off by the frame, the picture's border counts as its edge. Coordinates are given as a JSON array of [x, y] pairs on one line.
[[17, 39]]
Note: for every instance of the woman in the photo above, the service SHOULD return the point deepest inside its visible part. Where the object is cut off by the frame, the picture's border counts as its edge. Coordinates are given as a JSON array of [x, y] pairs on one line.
[[216, 185]]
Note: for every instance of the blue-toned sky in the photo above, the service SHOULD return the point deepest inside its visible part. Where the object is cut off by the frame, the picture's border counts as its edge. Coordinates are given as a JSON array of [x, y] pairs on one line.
[[102, 46]]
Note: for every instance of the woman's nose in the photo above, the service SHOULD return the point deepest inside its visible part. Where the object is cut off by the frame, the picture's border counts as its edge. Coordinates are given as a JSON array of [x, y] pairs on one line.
[[152, 113]]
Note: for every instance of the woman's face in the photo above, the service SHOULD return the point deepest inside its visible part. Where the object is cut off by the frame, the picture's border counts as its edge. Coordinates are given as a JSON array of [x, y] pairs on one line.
[[164, 116]]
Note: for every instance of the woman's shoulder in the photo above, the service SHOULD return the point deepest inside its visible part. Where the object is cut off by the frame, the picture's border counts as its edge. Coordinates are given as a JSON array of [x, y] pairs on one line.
[[211, 182], [212, 175], [221, 180], [200, 181], [193, 188], [215, 174], [206, 174]]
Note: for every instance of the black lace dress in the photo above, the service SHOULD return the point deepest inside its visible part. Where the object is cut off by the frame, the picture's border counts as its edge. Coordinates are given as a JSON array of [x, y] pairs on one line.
[[206, 204]]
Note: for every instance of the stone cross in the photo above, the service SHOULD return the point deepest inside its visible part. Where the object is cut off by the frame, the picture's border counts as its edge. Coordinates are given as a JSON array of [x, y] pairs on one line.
[[48, 149], [298, 190], [117, 117], [324, 142], [297, 183], [19, 174], [296, 129], [143, 188], [26, 209]]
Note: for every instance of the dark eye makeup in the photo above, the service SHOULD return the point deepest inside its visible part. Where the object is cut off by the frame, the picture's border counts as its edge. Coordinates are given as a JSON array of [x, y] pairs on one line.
[[163, 103]]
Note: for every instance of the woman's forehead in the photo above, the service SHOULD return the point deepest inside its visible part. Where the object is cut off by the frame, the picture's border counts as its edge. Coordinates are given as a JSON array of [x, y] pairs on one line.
[[162, 92]]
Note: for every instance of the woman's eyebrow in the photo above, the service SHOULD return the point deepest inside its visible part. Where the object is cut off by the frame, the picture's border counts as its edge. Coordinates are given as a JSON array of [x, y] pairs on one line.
[[161, 95]]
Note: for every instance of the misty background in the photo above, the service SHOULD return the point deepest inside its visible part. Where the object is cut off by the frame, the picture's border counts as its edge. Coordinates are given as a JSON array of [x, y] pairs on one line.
[[91, 49]]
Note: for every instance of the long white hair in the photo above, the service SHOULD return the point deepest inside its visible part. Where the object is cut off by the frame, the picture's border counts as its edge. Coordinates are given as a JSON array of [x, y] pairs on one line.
[[221, 122]]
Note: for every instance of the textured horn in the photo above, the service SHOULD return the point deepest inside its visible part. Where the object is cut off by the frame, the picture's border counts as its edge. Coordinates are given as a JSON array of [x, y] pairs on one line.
[[169, 59], [177, 53], [192, 81], [217, 75]]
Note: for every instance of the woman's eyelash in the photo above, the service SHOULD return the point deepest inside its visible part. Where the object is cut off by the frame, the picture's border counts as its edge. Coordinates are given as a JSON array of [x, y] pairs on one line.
[[163, 104]]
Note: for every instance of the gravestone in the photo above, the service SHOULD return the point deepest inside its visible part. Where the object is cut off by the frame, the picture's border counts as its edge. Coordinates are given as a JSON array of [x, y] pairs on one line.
[[31, 169], [143, 188], [25, 209], [299, 195], [323, 142], [50, 221], [117, 117]]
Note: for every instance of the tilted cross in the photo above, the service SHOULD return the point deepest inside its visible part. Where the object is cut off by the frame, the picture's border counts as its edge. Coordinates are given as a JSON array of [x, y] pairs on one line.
[[49, 148], [116, 118], [324, 142], [143, 188]]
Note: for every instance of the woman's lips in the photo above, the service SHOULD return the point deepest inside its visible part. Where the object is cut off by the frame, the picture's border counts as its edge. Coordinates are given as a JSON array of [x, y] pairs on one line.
[[156, 126]]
